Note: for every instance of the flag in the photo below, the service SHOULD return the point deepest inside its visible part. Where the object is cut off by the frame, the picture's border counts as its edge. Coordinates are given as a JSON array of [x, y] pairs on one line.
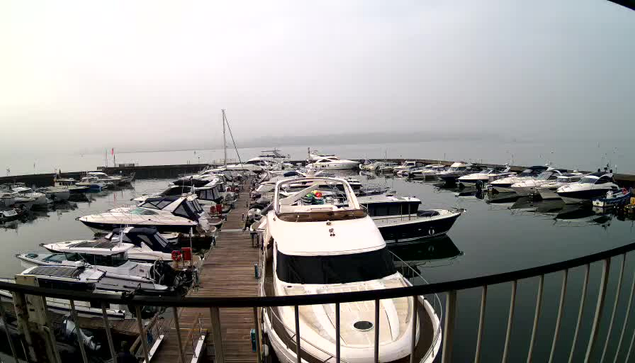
[[112, 152]]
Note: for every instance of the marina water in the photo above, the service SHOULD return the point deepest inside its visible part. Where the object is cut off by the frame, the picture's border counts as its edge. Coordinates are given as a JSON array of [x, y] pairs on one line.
[[490, 238]]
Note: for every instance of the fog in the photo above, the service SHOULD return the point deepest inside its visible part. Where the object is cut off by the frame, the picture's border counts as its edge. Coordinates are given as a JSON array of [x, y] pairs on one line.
[[81, 76]]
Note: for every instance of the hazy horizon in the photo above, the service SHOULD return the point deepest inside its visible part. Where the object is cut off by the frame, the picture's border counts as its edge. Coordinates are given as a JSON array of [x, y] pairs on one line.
[[80, 76]]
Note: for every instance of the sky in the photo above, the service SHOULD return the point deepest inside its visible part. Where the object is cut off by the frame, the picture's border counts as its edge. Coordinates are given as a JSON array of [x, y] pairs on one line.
[[139, 75]]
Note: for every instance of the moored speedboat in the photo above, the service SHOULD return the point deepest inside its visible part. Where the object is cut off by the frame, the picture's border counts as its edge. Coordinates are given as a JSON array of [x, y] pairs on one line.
[[590, 187], [504, 185], [166, 214], [486, 176], [400, 220], [454, 172], [549, 190], [529, 187], [331, 246]]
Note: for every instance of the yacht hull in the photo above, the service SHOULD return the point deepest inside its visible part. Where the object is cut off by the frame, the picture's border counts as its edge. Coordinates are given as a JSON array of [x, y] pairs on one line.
[[582, 196], [107, 227], [400, 229]]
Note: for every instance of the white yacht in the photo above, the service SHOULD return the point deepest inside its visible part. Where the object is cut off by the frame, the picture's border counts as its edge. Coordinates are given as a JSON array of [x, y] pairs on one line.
[[115, 180], [316, 155], [487, 176], [590, 187], [148, 245], [407, 165], [56, 194], [333, 163], [529, 187], [29, 197], [166, 214], [120, 273], [550, 190], [70, 278], [428, 172], [504, 185], [456, 170], [332, 246], [93, 183]]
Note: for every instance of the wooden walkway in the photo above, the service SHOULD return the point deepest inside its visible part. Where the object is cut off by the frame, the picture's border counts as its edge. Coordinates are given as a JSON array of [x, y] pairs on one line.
[[228, 271]]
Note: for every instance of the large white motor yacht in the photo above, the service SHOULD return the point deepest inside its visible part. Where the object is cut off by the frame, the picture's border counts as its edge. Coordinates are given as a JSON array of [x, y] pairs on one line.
[[332, 246], [486, 176], [333, 163]]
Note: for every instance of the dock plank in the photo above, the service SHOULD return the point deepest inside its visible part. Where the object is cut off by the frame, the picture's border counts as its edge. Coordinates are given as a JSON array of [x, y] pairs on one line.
[[227, 271]]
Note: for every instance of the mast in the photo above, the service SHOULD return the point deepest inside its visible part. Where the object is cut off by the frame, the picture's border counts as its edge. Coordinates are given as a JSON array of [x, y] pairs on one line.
[[224, 139]]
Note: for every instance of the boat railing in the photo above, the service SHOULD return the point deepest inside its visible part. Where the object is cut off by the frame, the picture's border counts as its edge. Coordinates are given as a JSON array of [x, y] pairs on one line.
[[604, 313], [436, 301]]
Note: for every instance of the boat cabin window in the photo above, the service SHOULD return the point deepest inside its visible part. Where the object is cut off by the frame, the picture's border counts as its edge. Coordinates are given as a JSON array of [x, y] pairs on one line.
[[99, 260], [176, 191], [603, 180], [546, 175], [56, 258], [337, 269], [65, 285], [391, 209], [143, 212], [588, 180]]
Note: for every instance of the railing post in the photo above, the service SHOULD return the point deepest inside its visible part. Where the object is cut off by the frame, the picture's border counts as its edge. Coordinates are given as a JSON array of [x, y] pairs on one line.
[[598, 310], [628, 314], [534, 329], [376, 353], [78, 333], [257, 322], [298, 349], [6, 327], [580, 310], [481, 325], [337, 333], [510, 321], [413, 342], [111, 344], [617, 299], [142, 334], [448, 327], [563, 293], [217, 334], [179, 340]]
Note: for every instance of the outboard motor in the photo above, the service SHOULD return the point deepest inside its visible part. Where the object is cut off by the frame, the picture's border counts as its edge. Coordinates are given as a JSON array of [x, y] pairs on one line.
[[86, 337]]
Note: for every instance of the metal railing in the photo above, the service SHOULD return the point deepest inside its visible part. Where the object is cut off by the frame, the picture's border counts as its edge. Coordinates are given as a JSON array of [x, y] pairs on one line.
[[593, 349]]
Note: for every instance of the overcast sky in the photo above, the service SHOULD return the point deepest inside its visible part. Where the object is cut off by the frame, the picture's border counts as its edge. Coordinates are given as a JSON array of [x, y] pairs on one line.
[[80, 75]]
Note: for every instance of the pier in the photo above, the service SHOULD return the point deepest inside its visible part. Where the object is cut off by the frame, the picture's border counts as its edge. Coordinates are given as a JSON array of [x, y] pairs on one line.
[[175, 170], [227, 271]]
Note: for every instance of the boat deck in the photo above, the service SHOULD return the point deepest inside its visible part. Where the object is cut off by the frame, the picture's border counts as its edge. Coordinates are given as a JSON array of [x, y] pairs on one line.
[[227, 271]]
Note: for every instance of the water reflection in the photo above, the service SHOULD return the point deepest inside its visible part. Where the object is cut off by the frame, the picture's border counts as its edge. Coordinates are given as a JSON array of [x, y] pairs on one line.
[[431, 252]]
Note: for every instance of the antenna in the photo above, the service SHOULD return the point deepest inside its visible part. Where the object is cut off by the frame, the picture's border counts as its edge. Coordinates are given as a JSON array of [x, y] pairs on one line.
[[224, 140]]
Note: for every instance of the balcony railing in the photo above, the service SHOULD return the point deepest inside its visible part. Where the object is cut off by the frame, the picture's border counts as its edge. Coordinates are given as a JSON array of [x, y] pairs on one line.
[[595, 350]]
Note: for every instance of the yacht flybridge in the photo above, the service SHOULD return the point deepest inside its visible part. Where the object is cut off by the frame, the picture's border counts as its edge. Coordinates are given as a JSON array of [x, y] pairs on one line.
[[166, 214], [327, 244]]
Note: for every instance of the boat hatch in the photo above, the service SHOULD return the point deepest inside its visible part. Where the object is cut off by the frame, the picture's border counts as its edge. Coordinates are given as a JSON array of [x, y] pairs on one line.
[[55, 271]]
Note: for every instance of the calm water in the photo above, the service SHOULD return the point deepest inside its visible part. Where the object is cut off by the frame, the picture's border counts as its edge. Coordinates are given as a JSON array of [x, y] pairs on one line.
[[582, 155], [489, 238]]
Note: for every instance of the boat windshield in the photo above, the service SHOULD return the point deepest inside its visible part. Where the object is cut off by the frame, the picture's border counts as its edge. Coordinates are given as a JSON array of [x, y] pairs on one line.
[[545, 175], [337, 269], [588, 180], [143, 212]]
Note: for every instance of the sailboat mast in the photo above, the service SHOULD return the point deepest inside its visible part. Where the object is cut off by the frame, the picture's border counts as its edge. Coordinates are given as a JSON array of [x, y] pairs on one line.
[[224, 140]]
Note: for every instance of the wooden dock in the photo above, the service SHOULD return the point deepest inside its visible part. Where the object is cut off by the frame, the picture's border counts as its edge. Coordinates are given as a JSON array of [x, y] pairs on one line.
[[227, 271]]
